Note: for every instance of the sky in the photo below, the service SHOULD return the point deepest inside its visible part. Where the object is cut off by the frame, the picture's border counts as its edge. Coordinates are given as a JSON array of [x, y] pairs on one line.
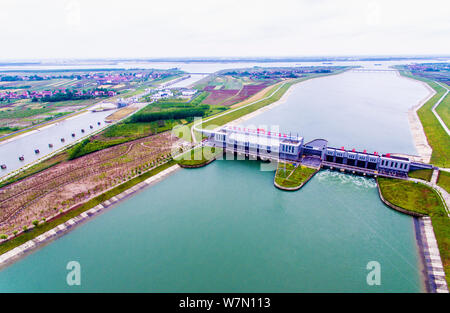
[[61, 29]]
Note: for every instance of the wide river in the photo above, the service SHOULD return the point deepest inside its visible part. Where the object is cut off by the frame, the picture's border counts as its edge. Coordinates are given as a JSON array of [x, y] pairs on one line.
[[226, 228]]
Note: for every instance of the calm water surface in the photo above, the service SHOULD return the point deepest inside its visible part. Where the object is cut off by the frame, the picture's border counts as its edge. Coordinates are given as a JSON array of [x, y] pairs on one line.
[[25, 145], [355, 110], [226, 228]]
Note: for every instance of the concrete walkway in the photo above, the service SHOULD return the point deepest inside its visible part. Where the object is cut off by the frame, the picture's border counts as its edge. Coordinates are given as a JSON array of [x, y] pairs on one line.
[[435, 176], [433, 263]]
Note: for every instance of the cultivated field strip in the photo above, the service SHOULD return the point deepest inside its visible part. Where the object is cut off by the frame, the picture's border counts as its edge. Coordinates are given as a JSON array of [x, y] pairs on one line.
[[70, 182]]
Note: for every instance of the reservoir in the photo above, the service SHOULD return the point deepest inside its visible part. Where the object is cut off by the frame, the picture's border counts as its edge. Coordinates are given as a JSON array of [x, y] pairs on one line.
[[354, 109], [249, 237], [226, 228]]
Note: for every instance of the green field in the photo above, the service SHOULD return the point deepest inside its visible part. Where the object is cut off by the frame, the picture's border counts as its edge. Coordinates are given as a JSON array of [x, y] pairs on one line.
[[291, 176], [133, 130], [420, 198], [444, 180], [421, 174], [23, 113], [221, 120], [198, 156]]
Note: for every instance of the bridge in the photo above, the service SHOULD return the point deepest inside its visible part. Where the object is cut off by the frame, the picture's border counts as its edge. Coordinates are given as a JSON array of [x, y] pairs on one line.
[[371, 70]]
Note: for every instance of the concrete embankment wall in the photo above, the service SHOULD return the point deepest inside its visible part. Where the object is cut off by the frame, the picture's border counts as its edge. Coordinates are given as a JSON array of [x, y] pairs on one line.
[[434, 270], [59, 230]]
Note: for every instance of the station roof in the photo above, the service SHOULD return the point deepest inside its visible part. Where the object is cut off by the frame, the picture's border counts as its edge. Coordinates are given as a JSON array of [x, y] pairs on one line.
[[317, 144]]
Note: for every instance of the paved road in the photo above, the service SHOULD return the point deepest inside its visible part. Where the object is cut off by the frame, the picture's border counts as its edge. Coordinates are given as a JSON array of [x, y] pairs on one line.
[[435, 106]]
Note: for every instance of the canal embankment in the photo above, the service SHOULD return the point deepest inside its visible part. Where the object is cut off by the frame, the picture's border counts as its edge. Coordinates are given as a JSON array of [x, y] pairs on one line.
[[198, 157], [429, 211], [427, 129], [433, 268], [20, 246], [291, 177]]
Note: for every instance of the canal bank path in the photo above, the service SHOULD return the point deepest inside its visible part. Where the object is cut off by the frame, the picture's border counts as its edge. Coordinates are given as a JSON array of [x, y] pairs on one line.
[[436, 105]]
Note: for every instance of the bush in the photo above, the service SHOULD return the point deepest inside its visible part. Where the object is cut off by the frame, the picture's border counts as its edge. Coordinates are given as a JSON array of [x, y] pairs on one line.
[[3, 236], [35, 223]]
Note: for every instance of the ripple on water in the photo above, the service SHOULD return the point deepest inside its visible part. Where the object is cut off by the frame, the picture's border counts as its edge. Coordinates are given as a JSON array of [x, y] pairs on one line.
[[342, 178]]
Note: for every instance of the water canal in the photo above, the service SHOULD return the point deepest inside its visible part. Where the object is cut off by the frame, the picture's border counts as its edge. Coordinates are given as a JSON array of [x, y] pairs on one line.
[[225, 228]]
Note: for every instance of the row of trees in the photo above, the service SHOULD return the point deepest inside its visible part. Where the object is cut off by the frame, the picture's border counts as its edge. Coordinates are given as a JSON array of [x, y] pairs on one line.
[[170, 114]]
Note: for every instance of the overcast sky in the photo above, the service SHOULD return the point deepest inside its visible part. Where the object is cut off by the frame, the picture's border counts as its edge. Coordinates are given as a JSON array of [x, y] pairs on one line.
[[31, 29]]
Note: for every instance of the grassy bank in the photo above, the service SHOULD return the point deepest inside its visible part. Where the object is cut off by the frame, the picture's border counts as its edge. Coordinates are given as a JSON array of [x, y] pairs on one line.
[[290, 176], [424, 174], [420, 198], [444, 180], [198, 156], [46, 226], [443, 110], [436, 135]]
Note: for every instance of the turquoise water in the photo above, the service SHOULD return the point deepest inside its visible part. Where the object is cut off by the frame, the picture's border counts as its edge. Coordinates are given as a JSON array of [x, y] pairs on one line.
[[355, 110], [225, 228]]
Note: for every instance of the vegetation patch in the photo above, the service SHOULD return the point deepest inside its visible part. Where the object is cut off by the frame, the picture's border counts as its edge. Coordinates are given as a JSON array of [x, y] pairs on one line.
[[169, 114], [290, 176], [87, 146], [129, 130], [444, 180], [424, 174], [198, 157]]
